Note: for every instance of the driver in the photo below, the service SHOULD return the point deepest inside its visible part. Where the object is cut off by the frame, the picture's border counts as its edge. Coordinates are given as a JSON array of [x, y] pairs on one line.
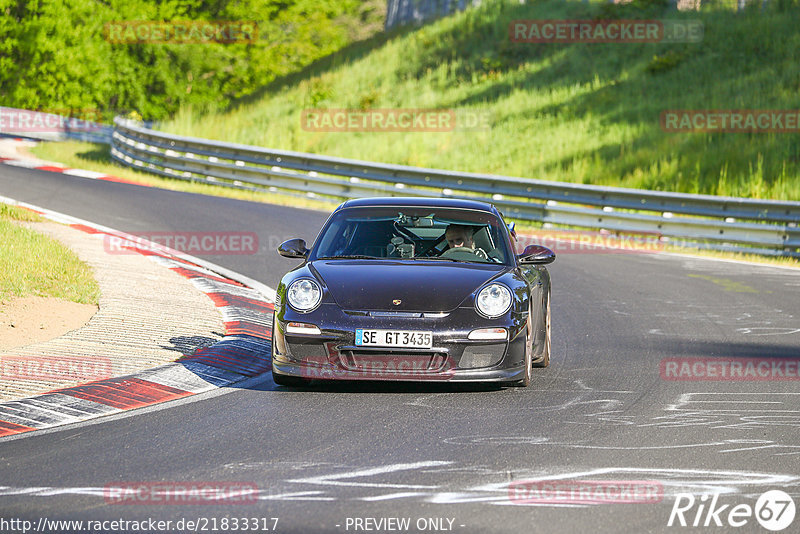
[[460, 236]]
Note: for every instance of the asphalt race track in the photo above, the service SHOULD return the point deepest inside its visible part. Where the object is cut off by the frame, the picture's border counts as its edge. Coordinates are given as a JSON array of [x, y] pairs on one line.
[[331, 457]]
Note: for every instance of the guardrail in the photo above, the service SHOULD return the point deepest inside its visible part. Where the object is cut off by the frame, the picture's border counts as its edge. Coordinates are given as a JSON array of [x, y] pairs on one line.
[[704, 221], [49, 126]]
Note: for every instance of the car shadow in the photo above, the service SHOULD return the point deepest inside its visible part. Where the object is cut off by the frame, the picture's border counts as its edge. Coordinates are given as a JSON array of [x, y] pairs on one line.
[[188, 345], [218, 361], [396, 388], [676, 347]]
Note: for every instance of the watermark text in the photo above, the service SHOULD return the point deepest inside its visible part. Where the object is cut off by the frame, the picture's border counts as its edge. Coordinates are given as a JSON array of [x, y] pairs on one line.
[[393, 120], [181, 32], [177, 493], [731, 369], [63, 369], [731, 121], [605, 31], [212, 243], [585, 491]]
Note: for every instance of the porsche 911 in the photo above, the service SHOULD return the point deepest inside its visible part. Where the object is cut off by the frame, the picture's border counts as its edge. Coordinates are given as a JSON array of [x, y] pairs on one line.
[[412, 289]]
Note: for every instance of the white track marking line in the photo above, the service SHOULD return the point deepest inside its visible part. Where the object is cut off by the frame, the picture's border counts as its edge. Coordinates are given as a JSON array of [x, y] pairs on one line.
[[335, 480]]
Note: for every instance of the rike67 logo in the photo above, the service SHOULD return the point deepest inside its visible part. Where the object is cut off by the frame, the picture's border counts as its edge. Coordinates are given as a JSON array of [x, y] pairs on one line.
[[774, 510]]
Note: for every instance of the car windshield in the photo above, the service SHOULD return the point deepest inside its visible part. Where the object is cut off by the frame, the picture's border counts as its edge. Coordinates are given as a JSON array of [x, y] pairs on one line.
[[414, 233]]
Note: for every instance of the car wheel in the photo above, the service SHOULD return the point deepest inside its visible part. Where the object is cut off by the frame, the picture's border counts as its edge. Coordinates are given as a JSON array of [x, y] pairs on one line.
[[544, 361], [526, 379]]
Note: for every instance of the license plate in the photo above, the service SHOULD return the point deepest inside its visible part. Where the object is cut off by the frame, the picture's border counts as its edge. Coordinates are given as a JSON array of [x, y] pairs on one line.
[[394, 338]]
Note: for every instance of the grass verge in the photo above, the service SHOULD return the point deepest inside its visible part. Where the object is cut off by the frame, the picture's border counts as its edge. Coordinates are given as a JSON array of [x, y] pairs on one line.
[[32, 264], [575, 112]]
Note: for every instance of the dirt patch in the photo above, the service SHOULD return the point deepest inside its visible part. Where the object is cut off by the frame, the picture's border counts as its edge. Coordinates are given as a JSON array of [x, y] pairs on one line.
[[28, 320]]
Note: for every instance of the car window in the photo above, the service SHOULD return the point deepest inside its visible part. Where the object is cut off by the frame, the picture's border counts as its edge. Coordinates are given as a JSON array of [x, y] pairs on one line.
[[414, 233]]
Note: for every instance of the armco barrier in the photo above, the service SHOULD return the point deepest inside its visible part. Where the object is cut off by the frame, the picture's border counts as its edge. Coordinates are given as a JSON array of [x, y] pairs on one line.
[[53, 125], [704, 221]]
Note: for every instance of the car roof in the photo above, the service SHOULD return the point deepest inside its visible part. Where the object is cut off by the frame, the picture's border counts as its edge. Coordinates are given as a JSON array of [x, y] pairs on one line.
[[419, 201]]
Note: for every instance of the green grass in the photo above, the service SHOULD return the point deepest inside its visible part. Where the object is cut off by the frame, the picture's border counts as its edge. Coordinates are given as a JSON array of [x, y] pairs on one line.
[[737, 256], [15, 213], [585, 113], [32, 264]]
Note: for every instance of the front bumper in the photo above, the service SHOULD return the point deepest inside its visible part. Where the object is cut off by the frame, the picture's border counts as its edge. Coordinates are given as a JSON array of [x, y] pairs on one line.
[[333, 355], [333, 372]]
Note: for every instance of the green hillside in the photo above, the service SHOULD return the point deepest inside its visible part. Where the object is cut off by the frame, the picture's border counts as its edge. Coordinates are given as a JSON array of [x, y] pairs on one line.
[[585, 113]]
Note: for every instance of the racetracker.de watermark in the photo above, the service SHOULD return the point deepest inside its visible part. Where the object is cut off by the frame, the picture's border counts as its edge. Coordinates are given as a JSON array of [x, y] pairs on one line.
[[591, 242], [211, 243], [351, 365], [177, 493], [394, 120], [181, 31], [578, 491], [606, 31], [63, 369], [731, 120], [52, 120], [729, 369]]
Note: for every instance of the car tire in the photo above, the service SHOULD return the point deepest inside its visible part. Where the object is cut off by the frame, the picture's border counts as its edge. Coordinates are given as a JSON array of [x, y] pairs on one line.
[[544, 361], [526, 379]]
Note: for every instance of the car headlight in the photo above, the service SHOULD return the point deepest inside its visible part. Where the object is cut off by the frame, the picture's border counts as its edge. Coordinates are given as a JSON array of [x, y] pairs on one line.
[[493, 300], [304, 295]]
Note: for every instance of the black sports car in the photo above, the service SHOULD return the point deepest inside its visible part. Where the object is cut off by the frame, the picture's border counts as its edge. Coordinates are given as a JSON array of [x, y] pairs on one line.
[[412, 289]]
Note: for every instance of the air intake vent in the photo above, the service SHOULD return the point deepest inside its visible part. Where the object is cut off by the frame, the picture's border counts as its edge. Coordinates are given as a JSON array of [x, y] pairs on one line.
[[482, 356]]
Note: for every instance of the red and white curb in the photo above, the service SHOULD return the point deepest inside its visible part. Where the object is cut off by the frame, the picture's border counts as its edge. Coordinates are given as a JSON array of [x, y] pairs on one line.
[[246, 307]]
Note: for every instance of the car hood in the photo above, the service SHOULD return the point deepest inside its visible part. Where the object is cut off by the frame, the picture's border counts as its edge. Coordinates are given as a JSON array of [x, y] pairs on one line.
[[419, 285]]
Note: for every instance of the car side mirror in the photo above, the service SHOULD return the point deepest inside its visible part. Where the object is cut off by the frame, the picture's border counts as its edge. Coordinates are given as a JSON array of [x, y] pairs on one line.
[[293, 248], [512, 229], [536, 254]]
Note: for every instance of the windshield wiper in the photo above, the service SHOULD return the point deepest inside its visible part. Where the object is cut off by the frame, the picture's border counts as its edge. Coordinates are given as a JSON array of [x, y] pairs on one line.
[[362, 257], [434, 258], [349, 257]]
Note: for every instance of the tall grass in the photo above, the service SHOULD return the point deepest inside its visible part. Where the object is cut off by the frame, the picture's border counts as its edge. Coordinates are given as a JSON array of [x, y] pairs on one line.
[[585, 113], [32, 264]]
